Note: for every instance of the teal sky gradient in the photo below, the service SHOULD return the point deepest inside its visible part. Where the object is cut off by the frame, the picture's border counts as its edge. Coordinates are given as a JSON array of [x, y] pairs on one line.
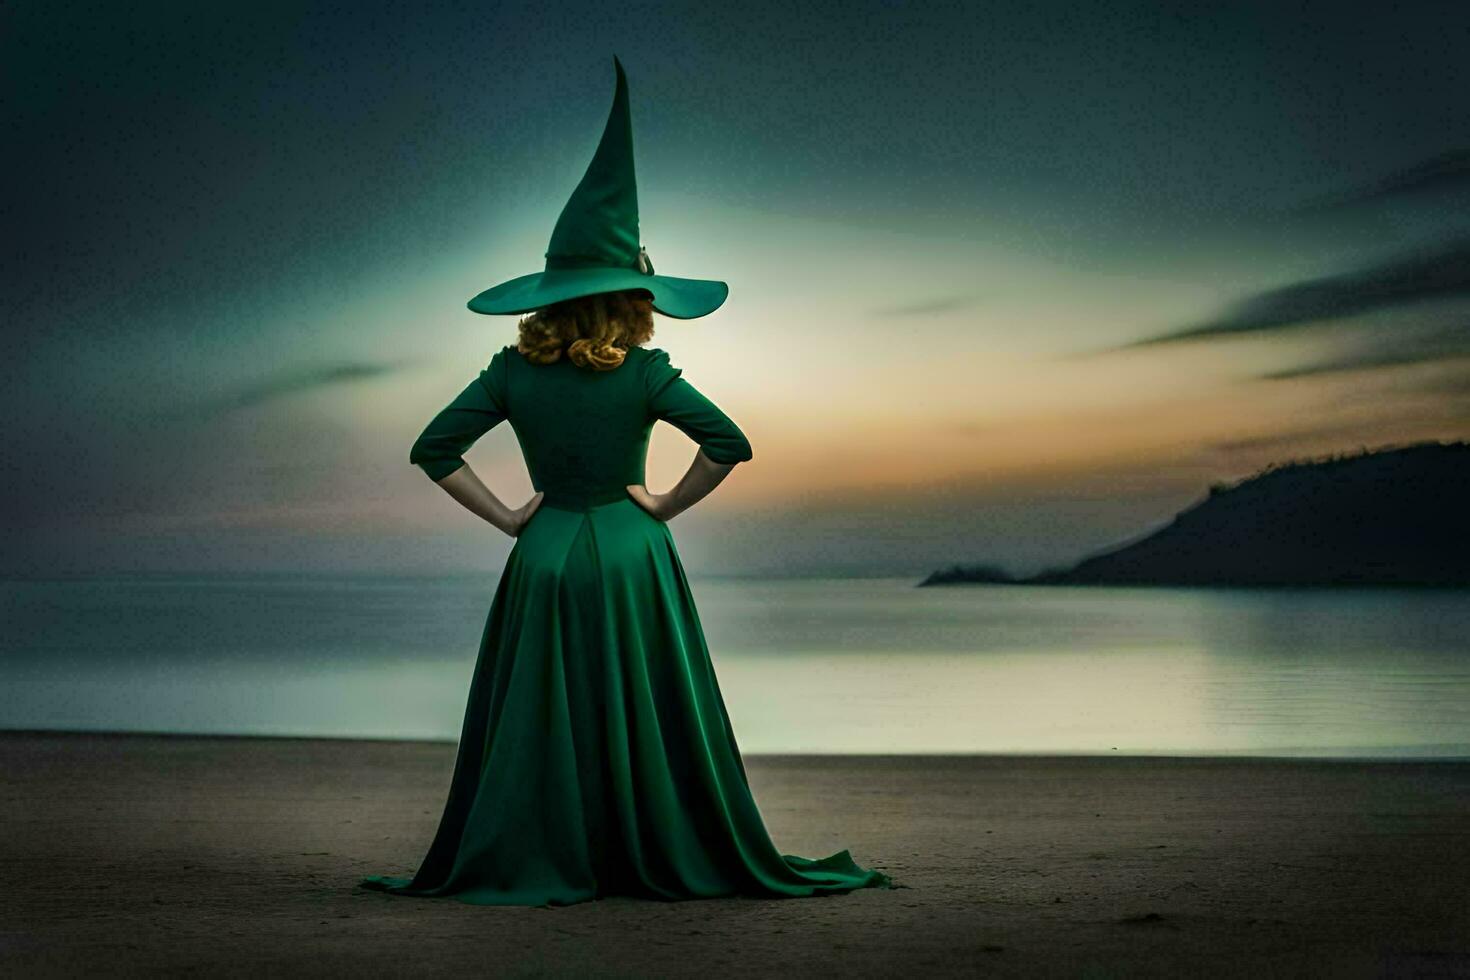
[[242, 241]]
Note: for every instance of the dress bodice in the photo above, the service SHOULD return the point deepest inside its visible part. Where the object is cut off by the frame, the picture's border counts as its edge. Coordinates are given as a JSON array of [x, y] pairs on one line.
[[583, 433]]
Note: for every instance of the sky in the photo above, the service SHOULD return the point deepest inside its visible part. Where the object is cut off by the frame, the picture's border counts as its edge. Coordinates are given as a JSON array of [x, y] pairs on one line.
[[1009, 283]]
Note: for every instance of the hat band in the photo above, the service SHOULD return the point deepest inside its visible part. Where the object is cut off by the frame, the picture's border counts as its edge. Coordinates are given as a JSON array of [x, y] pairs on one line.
[[566, 261]]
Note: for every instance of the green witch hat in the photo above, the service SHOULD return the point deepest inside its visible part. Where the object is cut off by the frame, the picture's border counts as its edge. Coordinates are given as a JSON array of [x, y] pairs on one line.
[[595, 244]]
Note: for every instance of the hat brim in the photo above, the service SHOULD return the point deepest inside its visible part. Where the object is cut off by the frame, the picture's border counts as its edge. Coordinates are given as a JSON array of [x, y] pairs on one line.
[[682, 299]]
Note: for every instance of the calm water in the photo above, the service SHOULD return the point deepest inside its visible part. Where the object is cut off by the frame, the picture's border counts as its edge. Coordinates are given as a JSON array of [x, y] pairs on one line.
[[806, 666]]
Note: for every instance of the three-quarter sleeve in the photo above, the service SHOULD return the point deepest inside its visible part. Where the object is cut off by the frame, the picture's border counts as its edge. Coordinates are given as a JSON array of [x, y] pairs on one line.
[[440, 448], [679, 403]]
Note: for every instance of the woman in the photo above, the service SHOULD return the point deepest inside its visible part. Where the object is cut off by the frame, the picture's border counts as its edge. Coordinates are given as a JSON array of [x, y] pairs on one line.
[[596, 757]]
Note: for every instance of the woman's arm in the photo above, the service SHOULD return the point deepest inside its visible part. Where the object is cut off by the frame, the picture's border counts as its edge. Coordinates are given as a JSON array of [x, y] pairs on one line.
[[439, 450], [704, 475], [464, 486], [721, 443]]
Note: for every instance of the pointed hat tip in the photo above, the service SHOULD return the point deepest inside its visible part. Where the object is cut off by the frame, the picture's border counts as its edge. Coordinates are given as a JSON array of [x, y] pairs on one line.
[[620, 85]]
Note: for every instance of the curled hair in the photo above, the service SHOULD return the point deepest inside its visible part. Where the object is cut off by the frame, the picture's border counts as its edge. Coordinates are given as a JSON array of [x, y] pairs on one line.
[[595, 331]]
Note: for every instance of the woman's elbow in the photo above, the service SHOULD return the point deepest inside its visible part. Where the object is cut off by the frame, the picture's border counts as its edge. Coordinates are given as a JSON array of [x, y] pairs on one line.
[[730, 451], [433, 460]]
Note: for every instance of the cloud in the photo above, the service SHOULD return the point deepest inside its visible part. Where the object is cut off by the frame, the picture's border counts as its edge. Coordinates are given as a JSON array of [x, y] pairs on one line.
[[1447, 171], [1447, 345], [941, 304], [307, 379], [969, 428], [1449, 388], [1342, 432], [1457, 385], [1383, 433], [1437, 273]]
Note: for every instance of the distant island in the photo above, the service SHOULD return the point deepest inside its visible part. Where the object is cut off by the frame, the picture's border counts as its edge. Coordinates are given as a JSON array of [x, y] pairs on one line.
[[1390, 516]]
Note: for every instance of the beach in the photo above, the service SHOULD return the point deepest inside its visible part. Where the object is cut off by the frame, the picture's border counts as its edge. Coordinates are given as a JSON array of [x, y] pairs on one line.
[[140, 854]]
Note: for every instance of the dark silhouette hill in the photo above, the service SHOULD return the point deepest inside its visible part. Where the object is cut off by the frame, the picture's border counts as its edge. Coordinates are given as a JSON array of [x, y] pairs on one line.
[[1390, 516]]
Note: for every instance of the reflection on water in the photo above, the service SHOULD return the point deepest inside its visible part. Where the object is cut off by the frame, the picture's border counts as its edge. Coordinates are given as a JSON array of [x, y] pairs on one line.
[[870, 665]]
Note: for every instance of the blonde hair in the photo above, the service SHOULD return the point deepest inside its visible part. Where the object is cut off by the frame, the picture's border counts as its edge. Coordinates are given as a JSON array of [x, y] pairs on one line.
[[595, 331]]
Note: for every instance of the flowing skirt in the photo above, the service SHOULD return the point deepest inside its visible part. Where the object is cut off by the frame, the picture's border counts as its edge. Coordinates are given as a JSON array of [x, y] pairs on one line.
[[596, 756]]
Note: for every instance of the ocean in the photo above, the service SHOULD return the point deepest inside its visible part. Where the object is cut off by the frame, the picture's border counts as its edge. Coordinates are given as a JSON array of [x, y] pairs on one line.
[[805, 665]]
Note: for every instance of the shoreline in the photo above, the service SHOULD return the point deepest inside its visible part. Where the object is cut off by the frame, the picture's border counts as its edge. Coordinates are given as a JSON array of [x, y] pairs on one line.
[[170, 854], [1278, 754]]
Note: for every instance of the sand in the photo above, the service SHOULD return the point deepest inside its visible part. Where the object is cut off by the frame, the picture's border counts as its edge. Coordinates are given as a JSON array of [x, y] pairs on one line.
[[164, 855]]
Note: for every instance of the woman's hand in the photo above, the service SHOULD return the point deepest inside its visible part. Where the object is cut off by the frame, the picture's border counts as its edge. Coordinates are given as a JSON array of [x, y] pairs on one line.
[[521, 517], [657, 504], [703, 476]]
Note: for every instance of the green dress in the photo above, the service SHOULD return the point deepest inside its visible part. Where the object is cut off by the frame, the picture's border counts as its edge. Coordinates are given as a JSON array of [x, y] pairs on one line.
[[596, 757]]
